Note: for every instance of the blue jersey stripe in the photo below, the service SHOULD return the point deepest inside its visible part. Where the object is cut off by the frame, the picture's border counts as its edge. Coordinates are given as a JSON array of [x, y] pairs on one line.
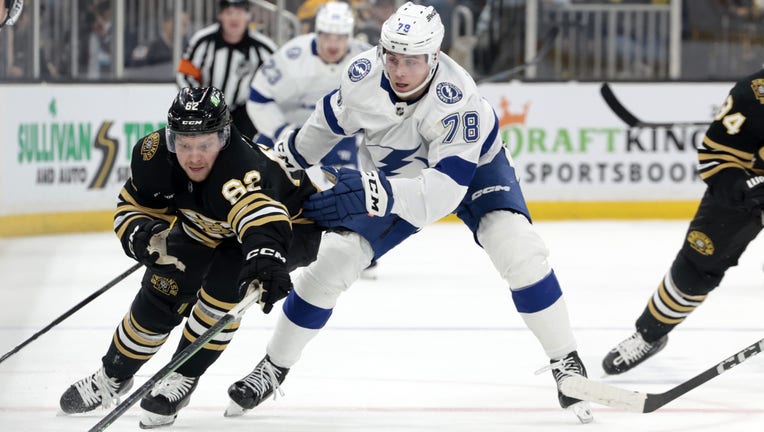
[[292, 149], [331, 119], [491, 136], [458, 169], [256, 96]]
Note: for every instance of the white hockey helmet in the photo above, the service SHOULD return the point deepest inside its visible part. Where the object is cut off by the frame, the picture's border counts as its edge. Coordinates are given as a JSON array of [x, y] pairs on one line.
[[413, 30], [335, 17]]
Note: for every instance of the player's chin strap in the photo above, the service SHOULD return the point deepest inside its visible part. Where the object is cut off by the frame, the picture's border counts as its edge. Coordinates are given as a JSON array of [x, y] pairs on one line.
[[13, 13]]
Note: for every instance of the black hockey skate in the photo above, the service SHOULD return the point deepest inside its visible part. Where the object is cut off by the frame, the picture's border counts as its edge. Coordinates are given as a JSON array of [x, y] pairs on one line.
[[630, 353], [161, 406], [564, 367], [254, 388], [93, 391]]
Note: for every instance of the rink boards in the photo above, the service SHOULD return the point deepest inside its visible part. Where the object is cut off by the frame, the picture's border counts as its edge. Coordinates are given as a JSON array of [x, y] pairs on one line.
[[68, 149]]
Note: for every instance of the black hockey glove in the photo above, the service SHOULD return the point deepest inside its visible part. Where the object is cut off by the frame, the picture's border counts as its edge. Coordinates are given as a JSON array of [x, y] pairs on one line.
[[147, 244], [265, 270], [753, 193]]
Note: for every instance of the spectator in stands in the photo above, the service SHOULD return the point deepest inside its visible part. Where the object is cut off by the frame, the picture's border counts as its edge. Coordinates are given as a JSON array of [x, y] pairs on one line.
[[20, 59], [306, 13], [100, 41], [159, 50], [10, 10], [371, 17], [20, 65]]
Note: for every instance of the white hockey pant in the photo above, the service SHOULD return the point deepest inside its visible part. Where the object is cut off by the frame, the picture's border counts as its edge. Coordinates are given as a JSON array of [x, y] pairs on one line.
[[520, 256], [341, 258]]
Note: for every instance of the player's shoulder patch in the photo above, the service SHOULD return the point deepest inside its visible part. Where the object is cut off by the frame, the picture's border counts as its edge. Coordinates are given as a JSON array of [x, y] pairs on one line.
[[448, 93], [293, 52], [149, 146], [359, 69], [757, 85]]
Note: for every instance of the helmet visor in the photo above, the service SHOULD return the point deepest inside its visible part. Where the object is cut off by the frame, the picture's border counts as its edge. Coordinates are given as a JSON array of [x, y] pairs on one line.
[[197, 141]]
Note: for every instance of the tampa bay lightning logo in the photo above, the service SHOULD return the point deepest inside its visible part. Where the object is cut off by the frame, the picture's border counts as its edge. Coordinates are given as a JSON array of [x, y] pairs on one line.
[[359, 69], [293, 52], [448, 93]]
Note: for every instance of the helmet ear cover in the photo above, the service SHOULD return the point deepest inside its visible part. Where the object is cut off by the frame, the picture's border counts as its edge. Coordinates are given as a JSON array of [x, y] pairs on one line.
[[198, 111]]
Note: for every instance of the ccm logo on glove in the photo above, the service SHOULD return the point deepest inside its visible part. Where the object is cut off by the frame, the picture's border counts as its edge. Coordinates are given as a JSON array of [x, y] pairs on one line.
[[376, 202], [266, 252]]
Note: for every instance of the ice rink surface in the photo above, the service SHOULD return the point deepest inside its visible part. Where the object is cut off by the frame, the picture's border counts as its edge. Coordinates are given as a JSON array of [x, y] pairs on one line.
[[433, 345]]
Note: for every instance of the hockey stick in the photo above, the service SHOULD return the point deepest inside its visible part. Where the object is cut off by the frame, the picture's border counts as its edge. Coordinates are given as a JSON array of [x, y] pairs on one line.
[[71, 311], [546, 44], [579, 387], [178, 360], [630, 119]]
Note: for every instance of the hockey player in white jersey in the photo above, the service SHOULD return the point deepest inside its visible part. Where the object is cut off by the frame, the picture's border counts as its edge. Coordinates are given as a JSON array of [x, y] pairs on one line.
[[435, 148], [285, 89]]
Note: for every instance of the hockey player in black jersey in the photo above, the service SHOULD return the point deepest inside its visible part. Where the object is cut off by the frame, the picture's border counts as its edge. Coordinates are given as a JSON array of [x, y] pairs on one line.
[[730, 161], [208, 214]]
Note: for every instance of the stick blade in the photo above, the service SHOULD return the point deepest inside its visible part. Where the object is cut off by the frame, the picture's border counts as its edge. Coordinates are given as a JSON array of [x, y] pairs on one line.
[[618, 109], [583, 388]]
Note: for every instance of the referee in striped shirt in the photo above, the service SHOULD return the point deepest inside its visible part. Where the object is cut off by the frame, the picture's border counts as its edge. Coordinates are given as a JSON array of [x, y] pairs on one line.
[[226, 55]]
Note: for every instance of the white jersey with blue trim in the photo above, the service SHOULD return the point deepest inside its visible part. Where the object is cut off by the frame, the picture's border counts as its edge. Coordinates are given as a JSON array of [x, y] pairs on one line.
[[428, 148], [286, 88]]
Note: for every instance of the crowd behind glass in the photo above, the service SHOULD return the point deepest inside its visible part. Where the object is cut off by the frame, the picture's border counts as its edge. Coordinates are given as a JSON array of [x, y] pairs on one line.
[[75, 40]]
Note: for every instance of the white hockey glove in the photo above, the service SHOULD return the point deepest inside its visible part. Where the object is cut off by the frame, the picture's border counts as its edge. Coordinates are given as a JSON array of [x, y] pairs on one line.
[[147, 243], [284, 149]]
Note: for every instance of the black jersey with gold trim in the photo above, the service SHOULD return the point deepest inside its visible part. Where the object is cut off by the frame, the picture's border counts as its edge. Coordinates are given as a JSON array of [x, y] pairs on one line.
[[248, 194], [733, 147]]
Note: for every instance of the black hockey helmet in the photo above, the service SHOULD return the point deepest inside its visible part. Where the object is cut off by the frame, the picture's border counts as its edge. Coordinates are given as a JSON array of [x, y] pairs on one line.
[[198, 111]]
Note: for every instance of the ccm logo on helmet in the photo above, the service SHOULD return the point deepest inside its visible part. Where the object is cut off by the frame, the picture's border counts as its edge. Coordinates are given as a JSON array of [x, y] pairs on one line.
[[191, 122], [489, 189]]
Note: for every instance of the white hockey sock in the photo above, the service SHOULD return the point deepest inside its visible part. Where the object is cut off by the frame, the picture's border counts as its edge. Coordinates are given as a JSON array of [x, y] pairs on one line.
[[551, 326], [288, 341]]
